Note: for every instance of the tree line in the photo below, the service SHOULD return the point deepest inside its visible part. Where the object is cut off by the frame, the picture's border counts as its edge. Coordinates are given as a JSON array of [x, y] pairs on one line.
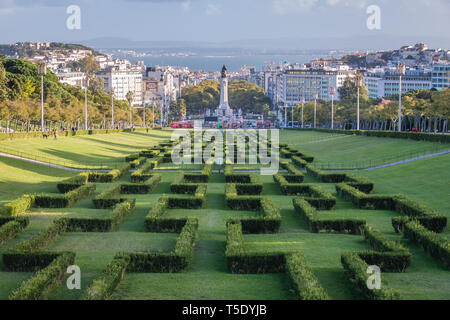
[[20, 96], [424, 110]]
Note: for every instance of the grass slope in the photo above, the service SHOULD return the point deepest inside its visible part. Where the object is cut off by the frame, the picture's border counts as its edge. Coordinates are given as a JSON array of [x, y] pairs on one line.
[[343, 151], [95, 150]]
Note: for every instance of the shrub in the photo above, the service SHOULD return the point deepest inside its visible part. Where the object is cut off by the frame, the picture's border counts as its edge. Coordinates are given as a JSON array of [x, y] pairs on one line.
[[241, 262], [108, 198], [45, 280], [103, 287], [427, 217], [299, 162], [305, 283], [317, 224], [356, 270], [437, 246], [110, 176], [25, 256], [73, 183], [389, 255], [175, 261], [364, 201], [138, 162], [107, 224], [9, 229], [142, 174], [17, 206], [65, 200], [147, 187]]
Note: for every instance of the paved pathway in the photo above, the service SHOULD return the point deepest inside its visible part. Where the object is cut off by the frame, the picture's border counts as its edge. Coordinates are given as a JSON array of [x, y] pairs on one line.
[[397, 162]]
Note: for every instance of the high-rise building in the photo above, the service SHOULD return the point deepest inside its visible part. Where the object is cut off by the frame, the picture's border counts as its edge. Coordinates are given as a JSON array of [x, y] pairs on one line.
[[122, 80], [298, 83]]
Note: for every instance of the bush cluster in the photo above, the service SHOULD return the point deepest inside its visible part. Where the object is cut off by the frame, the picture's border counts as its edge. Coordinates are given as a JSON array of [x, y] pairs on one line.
[[73, 182], [26, 256], [142, 188], [171, 262], [106, 224], [103, 287], [269, 220], [65, 200], [10, 227], [109, 176], [437, 246], [18, 206], [45, 279], [317, 224], [356, 270], [304, 282]]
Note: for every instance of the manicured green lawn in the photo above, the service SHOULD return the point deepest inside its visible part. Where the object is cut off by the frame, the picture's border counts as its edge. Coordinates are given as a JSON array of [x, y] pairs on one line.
[[426, 181], [337, 151], [20, 177], [85, 151]]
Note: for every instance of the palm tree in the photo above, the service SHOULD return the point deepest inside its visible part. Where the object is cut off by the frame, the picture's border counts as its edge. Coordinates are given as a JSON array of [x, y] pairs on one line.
[[130, 99]]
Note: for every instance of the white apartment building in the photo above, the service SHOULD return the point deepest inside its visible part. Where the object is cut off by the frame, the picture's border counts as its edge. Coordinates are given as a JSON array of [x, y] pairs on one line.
[[298, 83], [383, 83], [122, 80], [72, 78], [441, 76]]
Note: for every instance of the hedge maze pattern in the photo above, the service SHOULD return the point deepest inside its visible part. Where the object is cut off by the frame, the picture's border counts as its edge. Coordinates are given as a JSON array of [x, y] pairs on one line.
[[244, 191]]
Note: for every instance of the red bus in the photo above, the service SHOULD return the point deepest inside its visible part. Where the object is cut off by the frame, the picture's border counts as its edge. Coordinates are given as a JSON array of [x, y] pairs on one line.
[[181, 125]]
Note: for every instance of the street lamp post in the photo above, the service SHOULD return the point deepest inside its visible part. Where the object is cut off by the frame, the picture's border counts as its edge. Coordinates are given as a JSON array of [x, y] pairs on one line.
[[112, 108], [401, 70], [42, 70], [285, 115], [85, 104], [332, 91], [316, 96], [358, 85], [303, 104]]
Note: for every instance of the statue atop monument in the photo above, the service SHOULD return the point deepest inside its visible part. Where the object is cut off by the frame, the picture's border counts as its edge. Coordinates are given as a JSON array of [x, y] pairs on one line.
[[224, 72]]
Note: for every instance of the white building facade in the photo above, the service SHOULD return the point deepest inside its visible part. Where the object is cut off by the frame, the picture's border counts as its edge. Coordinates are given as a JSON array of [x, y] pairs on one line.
[[296, 84], [384, 83], [121, 81], [441, 76]]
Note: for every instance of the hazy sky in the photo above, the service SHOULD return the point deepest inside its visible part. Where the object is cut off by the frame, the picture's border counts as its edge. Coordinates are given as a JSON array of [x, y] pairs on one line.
[[217, 20]]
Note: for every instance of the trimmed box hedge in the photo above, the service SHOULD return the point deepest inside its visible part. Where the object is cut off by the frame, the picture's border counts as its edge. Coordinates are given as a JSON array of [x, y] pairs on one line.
[[106, 224], [356, 270], [73, 183], [65, 200], [175, 261], [104, 287], [434, 244], [317, 224], [239, 261], [110, 176], [26, 256], [45, 280], [10, 227], [141, 188], [18, 206]]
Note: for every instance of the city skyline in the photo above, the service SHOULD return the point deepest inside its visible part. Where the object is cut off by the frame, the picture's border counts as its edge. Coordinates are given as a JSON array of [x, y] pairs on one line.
[[219, 21]]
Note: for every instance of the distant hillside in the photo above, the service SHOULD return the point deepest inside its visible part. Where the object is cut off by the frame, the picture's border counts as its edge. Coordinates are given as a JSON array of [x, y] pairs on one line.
[[28, 49]]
